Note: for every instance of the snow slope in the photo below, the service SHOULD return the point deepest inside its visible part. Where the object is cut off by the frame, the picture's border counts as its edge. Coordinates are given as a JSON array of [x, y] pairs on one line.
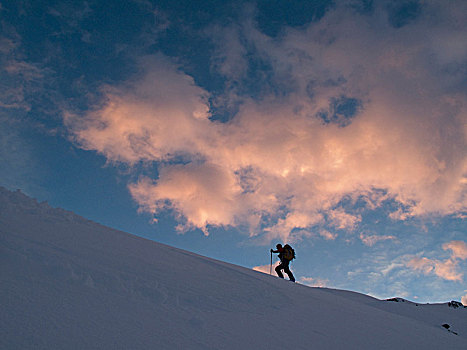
[[68, 283]]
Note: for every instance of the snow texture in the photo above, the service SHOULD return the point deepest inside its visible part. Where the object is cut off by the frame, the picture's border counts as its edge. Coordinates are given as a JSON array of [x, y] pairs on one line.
[[69, 283]]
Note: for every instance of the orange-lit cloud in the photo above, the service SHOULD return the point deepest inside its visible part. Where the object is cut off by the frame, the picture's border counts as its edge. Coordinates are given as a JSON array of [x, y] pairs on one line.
[[342, 220], [329, 236], [446, 269], [276, 167], [267, 268], [204, 195], [159, 116], [458, 248], [314, 282], [371, 240]]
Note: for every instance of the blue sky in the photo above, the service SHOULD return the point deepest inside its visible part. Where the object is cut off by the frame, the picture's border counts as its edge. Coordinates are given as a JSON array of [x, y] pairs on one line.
[[224, 127]]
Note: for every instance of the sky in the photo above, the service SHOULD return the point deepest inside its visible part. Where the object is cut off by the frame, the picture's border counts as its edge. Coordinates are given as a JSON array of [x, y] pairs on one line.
[[226, 127]]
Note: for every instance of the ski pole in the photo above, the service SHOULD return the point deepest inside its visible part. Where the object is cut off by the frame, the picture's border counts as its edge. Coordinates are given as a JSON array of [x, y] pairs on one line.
[[270, 266]]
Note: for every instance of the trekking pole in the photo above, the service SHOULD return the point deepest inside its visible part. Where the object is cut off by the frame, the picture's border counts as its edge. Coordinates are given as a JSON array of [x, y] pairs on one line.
[[270, 266]]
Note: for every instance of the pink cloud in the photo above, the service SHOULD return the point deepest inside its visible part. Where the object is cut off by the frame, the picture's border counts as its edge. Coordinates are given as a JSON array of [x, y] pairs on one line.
[[424, 265], [458, 248], [314, 282], [327, 235], [275, 167], [371, 240], [446, 269], [342, 220], [159, 116], [267, 268], [203, 194]]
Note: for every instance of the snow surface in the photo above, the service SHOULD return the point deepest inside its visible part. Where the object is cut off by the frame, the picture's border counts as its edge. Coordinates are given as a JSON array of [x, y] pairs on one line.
[[69, 283]]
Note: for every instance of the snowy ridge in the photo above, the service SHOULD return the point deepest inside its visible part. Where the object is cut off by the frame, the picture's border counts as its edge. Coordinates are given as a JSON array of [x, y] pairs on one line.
[[69, 283]]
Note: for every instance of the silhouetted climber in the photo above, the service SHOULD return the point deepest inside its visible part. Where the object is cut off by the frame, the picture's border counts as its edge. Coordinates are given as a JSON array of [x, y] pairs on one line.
[[286, 255]]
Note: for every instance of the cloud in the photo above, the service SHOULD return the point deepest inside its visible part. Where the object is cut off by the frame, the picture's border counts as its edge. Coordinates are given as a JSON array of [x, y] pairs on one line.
[[20, 166], [342, 220], [266, 268], [19, 80], [314, 282], [371, 240], [446, 269], [159, 116], [464, 300], [458, 248], [329, 236], [203, 194], [424, 265], [21, 83], [368, 108], [391, 267]]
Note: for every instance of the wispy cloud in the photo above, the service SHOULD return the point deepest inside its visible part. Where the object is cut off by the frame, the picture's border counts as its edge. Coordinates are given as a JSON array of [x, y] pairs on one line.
[[314, 282], [368, 107], [339, 219], [371, 240], [446, 269], [267, 268], [458, 248], [18, 78], [327, 235]]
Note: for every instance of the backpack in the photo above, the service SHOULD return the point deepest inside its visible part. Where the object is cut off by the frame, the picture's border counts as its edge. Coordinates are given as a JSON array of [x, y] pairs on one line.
[[289, 253]]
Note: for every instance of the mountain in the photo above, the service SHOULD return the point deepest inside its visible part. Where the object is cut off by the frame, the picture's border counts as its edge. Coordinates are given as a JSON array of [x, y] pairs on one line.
[[69, 283]]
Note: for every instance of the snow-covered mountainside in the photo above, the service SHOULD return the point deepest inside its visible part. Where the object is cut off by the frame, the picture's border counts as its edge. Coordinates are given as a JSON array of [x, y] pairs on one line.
[[69, 283]]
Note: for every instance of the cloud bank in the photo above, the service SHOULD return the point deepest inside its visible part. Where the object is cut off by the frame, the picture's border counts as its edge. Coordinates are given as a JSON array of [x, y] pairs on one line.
[[349, 108]]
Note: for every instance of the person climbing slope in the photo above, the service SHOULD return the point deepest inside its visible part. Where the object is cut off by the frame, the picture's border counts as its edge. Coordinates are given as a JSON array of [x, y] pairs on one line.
[[286, 255]]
